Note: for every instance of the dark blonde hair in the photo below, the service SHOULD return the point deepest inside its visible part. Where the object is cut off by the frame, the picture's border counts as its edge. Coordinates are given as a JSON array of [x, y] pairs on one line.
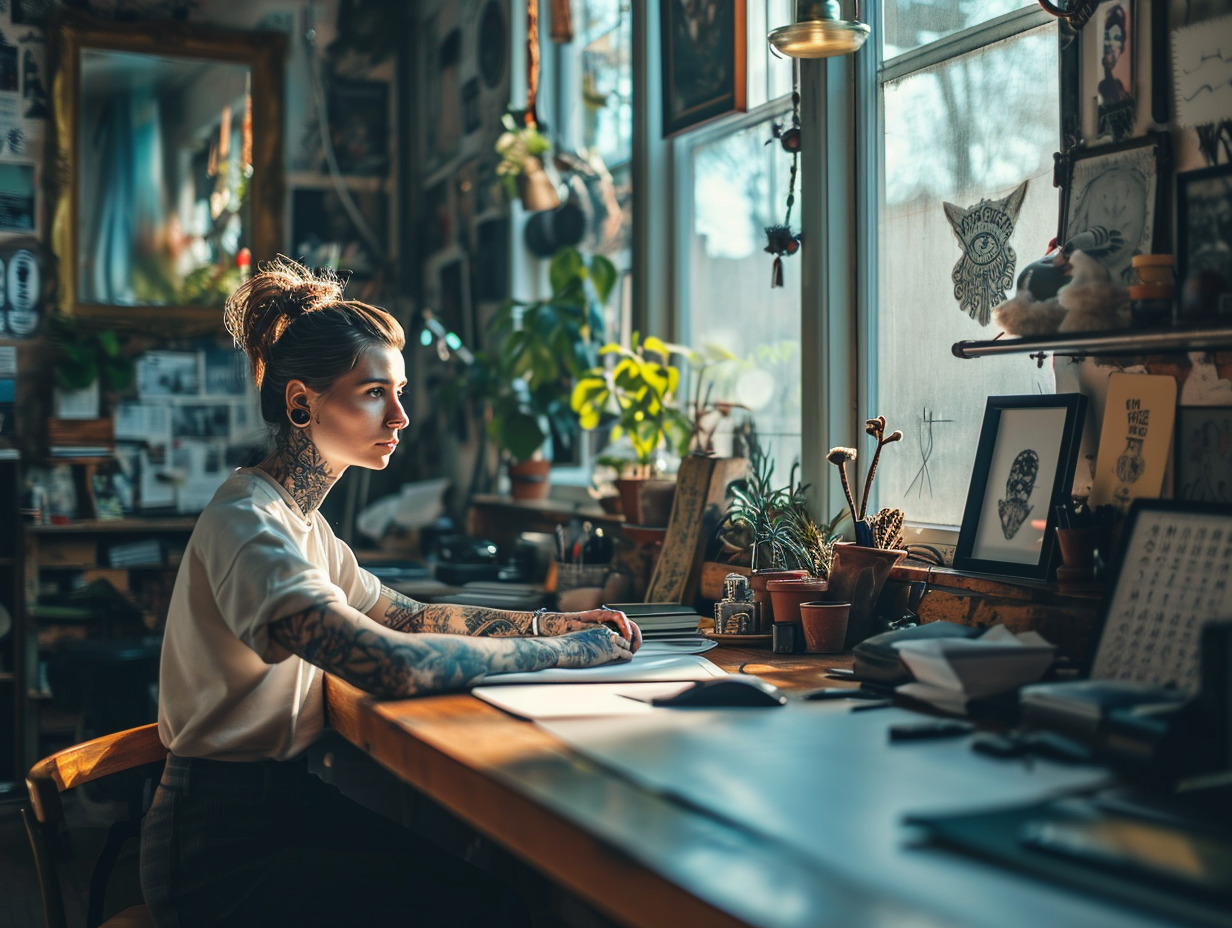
[[294, 324]]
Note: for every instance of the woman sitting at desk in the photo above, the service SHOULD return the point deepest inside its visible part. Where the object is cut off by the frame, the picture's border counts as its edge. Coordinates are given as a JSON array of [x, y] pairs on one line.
[[265, 601]]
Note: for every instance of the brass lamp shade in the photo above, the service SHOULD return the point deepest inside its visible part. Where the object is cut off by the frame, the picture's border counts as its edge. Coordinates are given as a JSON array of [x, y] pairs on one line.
[[819, 32]]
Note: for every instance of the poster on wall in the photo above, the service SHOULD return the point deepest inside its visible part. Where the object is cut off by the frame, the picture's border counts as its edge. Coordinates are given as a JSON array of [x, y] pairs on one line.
[[1135, 439]]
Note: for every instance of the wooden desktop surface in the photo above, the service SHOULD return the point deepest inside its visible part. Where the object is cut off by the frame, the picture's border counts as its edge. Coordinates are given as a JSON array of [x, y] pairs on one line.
[[640, 856]]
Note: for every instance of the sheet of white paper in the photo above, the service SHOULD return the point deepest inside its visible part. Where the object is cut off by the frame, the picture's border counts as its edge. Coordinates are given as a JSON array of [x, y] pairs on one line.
[[1202, 71], [643, 668], [578, 700], [677, 646], [995, 662]]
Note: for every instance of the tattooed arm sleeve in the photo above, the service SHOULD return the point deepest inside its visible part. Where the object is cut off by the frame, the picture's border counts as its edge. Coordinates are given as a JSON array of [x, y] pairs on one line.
[[398, 611], [387, 663]]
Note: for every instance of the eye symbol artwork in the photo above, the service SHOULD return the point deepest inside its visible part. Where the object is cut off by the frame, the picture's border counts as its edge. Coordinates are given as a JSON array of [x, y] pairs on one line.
[[986, 269], [1018, 486]]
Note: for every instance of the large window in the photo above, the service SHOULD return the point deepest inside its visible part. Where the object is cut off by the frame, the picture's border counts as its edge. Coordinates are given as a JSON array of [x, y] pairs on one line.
[[968, 111], [732, 178]]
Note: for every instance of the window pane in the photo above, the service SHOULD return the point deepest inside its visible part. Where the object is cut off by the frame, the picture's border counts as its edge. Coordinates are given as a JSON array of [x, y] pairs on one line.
[[909, 24], [972, 128], [606, 39], [739, 188], [769, 76]]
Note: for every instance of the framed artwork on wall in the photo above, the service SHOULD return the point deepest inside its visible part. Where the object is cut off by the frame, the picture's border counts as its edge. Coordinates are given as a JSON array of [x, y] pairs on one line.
[[1024, 469], [1112, 201], [1204, 453], [703, 57], [1116, 26], [1204, 240]]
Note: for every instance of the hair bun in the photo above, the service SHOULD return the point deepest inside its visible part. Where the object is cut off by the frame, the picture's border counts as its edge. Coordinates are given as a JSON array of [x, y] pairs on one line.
[[262, 307]]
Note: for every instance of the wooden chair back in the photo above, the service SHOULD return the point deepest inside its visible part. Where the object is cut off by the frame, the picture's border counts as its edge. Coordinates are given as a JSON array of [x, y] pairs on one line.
[[105, 756]]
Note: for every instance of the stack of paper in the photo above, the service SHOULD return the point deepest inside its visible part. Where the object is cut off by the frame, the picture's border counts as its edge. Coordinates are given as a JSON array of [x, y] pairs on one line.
[[661, 620], [951, 672]]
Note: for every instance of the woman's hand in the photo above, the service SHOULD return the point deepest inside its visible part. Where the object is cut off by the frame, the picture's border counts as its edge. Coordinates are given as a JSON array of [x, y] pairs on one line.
[[597, 644], [562, 623]]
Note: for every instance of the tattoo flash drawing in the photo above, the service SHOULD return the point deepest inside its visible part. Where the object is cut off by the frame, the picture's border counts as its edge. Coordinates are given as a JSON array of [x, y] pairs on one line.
[[986, 269], [1018, 487]]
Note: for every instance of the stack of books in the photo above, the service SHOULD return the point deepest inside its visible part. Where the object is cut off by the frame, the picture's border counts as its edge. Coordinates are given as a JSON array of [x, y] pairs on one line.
[[661, 620]]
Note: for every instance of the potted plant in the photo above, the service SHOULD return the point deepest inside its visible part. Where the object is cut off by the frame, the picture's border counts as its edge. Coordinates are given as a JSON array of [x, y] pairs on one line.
[[637, 397], [541, 348], [87, 363], [789, 552], [521, 168], [859, 570]]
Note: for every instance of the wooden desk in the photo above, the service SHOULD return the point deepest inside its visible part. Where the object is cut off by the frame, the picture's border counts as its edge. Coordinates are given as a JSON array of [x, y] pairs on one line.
[[650, 861]]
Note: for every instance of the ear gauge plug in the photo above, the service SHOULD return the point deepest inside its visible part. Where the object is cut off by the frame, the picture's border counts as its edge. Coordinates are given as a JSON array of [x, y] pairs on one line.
[[299, 416]]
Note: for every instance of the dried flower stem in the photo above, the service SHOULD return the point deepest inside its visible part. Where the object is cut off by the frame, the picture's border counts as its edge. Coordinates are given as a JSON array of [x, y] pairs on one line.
[[839, 458], [876, 428]]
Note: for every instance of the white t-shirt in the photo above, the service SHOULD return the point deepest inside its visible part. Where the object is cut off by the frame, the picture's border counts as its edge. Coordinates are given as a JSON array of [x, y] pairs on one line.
[[253, 558]]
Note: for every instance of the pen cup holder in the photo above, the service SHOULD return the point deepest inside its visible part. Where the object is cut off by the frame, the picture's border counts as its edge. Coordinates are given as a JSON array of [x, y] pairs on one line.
[[580, 586]]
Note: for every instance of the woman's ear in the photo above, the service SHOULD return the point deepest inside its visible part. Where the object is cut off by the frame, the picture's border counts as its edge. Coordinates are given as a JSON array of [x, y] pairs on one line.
[[297, 394]]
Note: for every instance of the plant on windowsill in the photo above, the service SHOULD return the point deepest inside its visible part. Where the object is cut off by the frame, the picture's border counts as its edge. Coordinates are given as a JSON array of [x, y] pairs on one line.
[[637, 398], [541, 349], [774, 525], [859, 571]]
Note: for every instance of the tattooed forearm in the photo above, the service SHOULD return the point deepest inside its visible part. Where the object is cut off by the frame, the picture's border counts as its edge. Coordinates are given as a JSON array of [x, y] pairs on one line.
[[408, 615], [387, 663]]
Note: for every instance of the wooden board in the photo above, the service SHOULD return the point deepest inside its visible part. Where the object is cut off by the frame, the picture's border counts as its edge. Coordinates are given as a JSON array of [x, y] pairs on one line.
[[701, 489]]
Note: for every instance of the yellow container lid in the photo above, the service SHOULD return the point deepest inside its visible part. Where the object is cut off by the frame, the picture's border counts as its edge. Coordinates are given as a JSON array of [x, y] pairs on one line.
[[1152, 260]]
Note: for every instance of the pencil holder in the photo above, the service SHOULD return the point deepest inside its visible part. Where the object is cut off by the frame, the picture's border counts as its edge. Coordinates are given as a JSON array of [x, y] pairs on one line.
[[577, 576]]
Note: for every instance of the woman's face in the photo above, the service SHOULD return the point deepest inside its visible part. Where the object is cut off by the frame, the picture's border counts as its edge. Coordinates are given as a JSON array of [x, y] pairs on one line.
[[1114, 43], [358, 419]]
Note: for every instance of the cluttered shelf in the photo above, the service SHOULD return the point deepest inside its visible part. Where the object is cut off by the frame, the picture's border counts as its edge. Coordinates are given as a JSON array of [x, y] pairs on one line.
[[1138, 341], [116, 526]]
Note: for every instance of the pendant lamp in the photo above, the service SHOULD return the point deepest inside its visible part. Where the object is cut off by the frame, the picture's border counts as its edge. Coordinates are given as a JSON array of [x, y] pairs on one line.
[[819, 32]]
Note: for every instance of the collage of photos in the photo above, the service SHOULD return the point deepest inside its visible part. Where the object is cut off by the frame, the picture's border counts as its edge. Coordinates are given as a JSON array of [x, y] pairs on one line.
[[195, 418]]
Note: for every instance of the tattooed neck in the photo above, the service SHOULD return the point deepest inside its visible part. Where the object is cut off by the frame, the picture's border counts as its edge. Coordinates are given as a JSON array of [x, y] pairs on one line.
[[297, 465]]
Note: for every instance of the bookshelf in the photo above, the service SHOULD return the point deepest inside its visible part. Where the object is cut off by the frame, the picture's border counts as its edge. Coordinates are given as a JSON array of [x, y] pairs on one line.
[[137, 557]]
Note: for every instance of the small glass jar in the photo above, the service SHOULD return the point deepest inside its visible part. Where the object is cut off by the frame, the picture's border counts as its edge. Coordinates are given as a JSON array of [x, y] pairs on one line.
[[1152, 300]]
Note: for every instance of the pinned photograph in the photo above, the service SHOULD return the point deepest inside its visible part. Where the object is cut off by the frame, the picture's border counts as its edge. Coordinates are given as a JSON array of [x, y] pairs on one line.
[[167, 373], [16, 197]]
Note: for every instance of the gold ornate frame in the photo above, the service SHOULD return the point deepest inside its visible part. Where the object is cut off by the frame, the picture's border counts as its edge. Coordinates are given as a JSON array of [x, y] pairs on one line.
[[263, 52]]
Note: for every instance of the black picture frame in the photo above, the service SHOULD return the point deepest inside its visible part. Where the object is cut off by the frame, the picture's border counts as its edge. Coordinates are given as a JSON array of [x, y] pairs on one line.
[[703, 63], [1203, 449], [1204, 232], [1101, 189], [1028, 450]]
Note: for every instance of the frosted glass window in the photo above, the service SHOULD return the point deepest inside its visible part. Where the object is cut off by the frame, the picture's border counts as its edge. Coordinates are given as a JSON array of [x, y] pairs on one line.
[[910, 24], [739, 188], [971, 128]]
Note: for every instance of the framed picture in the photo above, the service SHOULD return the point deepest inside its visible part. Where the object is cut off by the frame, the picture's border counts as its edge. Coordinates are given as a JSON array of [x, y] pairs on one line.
[[325, 235], [703, 58], [1112, 201], [359, 126], [1204, 453], [1024, 469], [1164, 595], [1204, 235], [1116, 27]]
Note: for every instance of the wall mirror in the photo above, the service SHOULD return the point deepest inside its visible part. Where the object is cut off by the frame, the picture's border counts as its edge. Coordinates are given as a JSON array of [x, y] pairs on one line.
[[167, 169]]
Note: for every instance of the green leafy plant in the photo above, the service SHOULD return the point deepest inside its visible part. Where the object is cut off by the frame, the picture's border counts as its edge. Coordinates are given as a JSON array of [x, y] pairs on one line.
[[86, 356], [516, 146], [541, 348], [775, 522], [637, 398]]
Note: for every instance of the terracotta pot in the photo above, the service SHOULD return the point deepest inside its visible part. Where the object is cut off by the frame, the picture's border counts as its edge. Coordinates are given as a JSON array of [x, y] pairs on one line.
[[825, 626], [646, 501], [787, 595], [761, 596], [530, 479], [857, 576], [1078, 545]]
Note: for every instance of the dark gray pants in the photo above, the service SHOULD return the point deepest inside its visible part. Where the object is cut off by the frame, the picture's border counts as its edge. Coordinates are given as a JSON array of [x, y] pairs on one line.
[[267, 843]]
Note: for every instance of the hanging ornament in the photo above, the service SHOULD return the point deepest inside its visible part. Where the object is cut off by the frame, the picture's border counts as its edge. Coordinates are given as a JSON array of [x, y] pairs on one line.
[[780, 240]]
